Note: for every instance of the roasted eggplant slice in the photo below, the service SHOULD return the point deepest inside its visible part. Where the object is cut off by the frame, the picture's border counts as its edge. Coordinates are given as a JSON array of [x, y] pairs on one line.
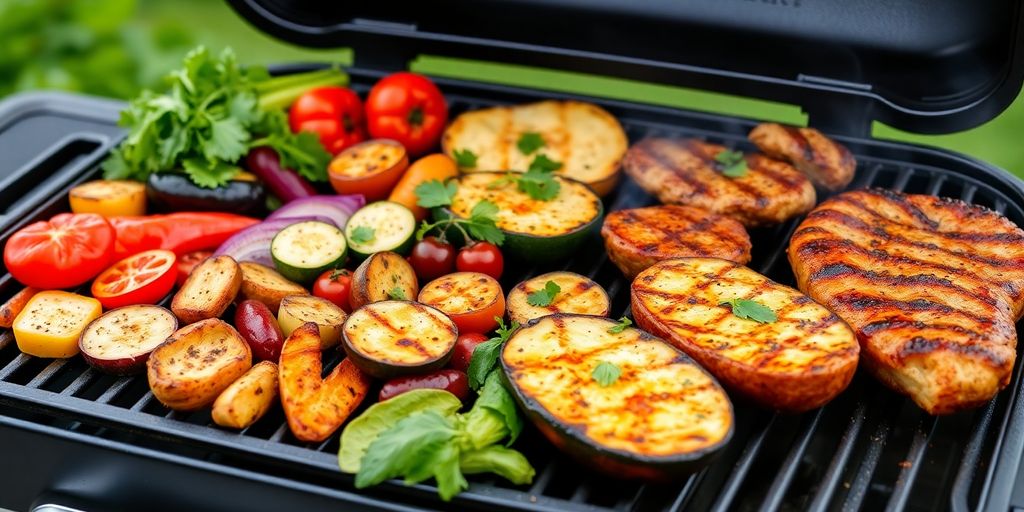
[[662, 416]]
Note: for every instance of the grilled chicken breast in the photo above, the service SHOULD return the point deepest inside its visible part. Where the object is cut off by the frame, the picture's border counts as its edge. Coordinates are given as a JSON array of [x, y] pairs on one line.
[[799, 361], [684, 171], [585, 138], [932, 287], [829, 164], [640, 237]]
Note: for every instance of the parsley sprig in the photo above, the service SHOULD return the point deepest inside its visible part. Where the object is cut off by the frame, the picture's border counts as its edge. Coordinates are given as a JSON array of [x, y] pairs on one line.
[[731, 163], [537, 182], [621, 326], [545, 296], [397, 293], [485, 355], [482, 221], [464, 158], [530, 142], [606, 373], [363, 234], [751, 310]]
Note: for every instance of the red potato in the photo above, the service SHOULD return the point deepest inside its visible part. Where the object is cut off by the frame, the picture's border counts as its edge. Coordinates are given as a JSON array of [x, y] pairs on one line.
[[452, 381], [120, 341], [462, 354], [257, 325]]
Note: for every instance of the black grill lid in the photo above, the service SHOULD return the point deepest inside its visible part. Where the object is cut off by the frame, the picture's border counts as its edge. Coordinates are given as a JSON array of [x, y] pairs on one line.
[[929, 66]]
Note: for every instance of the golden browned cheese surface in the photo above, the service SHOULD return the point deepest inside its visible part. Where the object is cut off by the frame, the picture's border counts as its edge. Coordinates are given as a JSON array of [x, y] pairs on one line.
[[640, 237], [684, 171], [798, 362], [586, 139], [826, 162], [662, 404], [932, 286]]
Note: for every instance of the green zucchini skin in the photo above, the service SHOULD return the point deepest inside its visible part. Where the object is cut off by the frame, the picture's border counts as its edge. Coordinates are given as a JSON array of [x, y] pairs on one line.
[[175, 192], [571, 439]]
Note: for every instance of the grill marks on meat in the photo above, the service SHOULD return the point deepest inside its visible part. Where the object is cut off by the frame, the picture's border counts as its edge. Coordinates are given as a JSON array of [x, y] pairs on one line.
[[640, 237], [827, 163], [684, 171], [932, 286]]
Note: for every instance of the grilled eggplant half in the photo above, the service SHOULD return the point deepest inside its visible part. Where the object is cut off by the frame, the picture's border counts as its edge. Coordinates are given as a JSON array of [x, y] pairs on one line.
[[712, 310], [662, 417], [395, 337]]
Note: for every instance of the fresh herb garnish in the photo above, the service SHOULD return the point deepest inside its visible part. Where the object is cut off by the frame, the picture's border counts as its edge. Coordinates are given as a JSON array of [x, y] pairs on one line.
[[363, 234], [485, 355], [530, 142], [545, 296], [732, 163], [215, 113], [397, 293], [537, 182], [751, 310], [464, 158], [434, 193], [606, 373], [481, 224], [621, 326]]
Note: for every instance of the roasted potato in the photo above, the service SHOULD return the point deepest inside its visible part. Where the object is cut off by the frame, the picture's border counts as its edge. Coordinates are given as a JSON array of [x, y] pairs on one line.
[[247, 399], [383, 276], [209, 290], [577, 294], [266, 285], [196, 364], [299, 309]]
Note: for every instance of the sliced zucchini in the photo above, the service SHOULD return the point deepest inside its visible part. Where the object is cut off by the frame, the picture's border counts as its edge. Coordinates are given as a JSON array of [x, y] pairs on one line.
[[381, 226], [299, 309], [534, 229], [304, 250], [396, 337], [649, 412], [576, 294]]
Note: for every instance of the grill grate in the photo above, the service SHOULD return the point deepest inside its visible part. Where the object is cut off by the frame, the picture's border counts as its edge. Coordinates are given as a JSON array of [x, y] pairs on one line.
[[870, 448]]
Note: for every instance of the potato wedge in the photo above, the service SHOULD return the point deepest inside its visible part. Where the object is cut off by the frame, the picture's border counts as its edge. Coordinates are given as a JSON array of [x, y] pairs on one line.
[[120, 341], [299, 309], [266, 285], [315, 407], [209, 290], [798, 362], [577, 294], [52, 321], [10, 309], [383, 276], [197, 363], [247, 399]]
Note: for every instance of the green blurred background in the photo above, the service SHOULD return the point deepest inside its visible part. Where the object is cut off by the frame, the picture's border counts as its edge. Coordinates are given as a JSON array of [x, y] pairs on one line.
[[117, 47]]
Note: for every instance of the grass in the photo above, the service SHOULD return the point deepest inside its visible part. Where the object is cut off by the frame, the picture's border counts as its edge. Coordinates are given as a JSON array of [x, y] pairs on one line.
[[216, 25]]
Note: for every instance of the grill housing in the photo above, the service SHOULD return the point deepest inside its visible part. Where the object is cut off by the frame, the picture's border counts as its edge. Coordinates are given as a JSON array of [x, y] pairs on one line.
[[870, 448]]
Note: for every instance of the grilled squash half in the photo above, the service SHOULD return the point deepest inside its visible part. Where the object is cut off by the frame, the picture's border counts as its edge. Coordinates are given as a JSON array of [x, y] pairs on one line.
[[799, 361], [662, 417]]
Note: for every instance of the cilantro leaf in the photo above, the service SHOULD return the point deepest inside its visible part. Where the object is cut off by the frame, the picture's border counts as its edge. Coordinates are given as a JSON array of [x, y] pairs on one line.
[[482, 223], [621, 326], [464, 158], [732, 163], [397, 293], [606, 373], [363, 234], [530, 142], [751, 310], [434, 193], [545, 296], [485, 355], [538, 182], [541, 163]]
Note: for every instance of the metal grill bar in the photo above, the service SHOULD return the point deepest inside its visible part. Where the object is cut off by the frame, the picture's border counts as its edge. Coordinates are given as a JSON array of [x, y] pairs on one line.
[[789, 466], [742, 467]]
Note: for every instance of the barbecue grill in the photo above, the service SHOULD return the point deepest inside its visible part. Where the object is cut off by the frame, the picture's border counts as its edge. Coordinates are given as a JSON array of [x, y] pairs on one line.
[[72, 436]]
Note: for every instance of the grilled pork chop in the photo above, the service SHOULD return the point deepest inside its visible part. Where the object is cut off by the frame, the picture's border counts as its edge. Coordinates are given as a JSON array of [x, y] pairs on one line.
[[640, 237], [828, 163], [932, 287], [684, 171]]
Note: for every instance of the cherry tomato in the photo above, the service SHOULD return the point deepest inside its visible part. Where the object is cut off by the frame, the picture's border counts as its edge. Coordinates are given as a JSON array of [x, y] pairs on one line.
[[144, 278], [65, 251], [335, 286], [431, 258], [408, 108], [462, 354], [483, 257], [335, 114], [188, 262]]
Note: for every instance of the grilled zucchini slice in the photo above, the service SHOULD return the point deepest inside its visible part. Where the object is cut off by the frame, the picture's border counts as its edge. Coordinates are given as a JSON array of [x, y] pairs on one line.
[[799, 361], [663, 417], [577, 294], [381, 226], [396, 337], [305, 250]]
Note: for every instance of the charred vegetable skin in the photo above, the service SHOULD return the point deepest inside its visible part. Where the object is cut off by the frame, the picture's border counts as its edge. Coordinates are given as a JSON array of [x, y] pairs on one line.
[[174, 192], [664, 416]]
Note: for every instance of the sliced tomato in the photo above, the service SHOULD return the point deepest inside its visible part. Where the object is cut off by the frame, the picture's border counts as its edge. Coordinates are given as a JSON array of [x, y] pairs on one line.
[[188, 262], [144, 278], [65, 251]]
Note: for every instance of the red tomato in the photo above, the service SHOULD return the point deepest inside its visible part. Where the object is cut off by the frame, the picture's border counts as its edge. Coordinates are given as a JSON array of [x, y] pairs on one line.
[[408, 108], [462, 354], [431, 258], [335, 114], [483, 257], [188, 262], [335, 286], [65, 251], [144, 278]]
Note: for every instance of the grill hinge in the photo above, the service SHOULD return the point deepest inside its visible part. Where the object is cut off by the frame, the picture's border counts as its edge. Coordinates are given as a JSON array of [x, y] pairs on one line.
[[848, 115]]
